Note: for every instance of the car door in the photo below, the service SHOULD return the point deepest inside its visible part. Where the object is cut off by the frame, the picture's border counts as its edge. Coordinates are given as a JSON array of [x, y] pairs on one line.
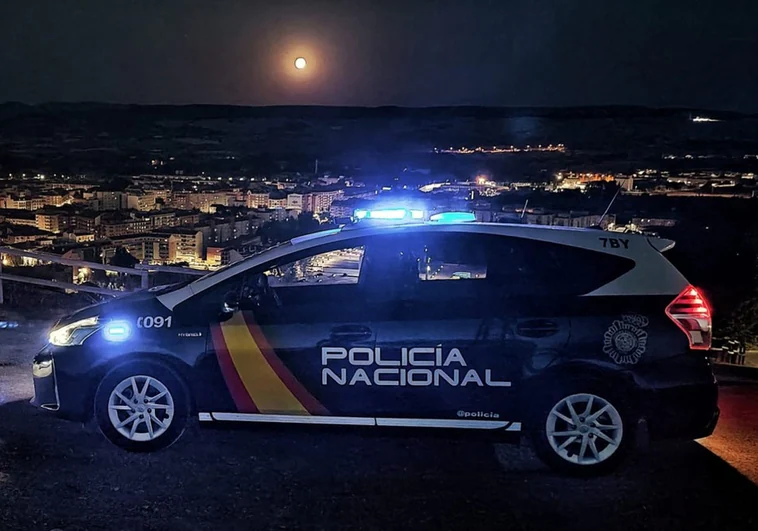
[[273, 350], [445, 339], [466, 331]]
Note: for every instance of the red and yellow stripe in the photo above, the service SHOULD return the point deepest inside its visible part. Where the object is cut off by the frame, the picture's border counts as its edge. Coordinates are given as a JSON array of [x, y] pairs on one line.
[[257, 379]]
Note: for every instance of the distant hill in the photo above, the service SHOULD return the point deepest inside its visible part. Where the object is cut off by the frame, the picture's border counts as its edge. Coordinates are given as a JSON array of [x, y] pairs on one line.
[[101, 138], [15, 109]]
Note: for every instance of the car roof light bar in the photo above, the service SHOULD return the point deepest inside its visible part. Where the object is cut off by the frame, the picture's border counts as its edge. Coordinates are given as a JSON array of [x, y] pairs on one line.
[[408, 215], [452, 217], [392, 214]]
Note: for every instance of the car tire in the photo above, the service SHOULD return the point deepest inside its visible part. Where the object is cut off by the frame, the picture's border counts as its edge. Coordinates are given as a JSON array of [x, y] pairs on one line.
[[582, 430], [142, 406]]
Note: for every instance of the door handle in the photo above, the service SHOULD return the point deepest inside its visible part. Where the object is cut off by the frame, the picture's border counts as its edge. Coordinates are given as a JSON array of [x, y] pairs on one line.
[[537, 328], [351, 333]]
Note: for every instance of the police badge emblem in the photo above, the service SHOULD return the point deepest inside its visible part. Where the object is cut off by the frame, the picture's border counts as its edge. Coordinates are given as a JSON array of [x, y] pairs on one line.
[[625, 341]]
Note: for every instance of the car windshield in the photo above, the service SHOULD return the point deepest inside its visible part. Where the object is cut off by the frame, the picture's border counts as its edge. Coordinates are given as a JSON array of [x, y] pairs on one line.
[[246, 259], [167, 288]]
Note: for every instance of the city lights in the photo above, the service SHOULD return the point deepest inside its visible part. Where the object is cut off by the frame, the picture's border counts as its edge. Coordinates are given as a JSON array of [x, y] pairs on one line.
[[497, 150], [193, 220]]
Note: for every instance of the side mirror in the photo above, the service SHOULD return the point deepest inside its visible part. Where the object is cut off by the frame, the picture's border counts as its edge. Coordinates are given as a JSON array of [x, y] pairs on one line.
[[231, 303]]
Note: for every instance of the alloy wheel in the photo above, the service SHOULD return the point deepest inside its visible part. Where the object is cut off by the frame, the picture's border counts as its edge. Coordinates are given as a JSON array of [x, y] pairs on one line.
[[584, 429], [141, 408]]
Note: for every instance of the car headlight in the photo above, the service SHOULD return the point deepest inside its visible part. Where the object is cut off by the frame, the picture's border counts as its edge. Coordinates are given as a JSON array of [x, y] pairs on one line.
[[74, 333]]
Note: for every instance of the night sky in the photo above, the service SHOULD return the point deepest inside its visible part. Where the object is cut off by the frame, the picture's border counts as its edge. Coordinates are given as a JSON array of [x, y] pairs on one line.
[[696, 53]]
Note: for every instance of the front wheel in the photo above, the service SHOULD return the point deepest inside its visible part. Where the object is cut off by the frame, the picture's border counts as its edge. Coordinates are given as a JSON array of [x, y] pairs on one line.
[[581, 433], [141, 407]]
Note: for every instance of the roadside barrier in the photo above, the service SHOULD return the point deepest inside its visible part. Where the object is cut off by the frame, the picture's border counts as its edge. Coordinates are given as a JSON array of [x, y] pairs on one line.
[[141, 270], [732, 352]]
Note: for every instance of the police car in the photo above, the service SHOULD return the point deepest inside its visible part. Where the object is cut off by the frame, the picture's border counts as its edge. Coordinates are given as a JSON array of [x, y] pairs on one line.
[[586, 341]]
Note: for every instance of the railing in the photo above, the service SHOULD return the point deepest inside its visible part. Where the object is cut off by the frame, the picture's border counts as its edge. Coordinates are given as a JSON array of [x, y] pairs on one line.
[[141, 270], [731, 351]]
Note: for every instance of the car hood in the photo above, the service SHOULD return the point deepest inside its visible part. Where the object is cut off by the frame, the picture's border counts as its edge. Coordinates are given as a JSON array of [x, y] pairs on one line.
[[129, 306]]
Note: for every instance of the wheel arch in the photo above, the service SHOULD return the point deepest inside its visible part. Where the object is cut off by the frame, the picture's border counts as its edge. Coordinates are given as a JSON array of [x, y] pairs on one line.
[[178, 368], [619, 382]]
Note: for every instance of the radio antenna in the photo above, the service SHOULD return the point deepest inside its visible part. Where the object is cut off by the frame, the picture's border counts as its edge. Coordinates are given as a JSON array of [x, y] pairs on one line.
[[600, 223]]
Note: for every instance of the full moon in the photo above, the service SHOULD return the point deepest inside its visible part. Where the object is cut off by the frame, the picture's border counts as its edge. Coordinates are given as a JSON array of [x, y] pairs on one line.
[[300, 63]]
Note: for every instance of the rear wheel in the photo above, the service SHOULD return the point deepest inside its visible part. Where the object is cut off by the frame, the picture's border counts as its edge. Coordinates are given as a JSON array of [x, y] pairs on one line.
[[141, 407], [582, 433]]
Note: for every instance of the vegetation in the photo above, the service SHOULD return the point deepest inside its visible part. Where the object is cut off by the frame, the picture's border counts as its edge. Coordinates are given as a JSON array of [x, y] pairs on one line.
[[278, 231]]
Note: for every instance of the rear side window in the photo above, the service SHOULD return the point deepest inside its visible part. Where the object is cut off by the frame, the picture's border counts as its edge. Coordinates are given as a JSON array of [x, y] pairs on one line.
[[520, 266], [427, 266], [461, 265], [450, 257]]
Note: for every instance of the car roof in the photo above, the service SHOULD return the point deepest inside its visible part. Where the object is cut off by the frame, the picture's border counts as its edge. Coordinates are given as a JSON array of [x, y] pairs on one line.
[[575, 237]]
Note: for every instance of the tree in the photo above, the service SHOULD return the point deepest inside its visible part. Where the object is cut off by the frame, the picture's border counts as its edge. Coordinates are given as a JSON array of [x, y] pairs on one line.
[[306, 223], [118, 184], [122, 258], [602, 189], [742, 322]]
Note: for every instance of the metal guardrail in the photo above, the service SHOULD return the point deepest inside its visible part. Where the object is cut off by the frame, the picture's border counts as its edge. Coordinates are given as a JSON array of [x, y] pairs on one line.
[[171, 269], [731, 352], [141, 270]]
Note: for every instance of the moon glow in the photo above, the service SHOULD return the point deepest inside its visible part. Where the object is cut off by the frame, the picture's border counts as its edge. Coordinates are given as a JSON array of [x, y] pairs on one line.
[[300, 63]]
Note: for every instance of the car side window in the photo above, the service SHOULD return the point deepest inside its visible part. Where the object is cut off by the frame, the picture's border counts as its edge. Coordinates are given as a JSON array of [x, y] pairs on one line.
[[338, 266], [426, 266], [450, 257], [306, 280], [320, 284], [209, 304]]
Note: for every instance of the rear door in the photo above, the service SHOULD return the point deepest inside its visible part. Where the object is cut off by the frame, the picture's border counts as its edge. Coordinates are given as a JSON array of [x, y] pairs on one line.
[[465, 330]]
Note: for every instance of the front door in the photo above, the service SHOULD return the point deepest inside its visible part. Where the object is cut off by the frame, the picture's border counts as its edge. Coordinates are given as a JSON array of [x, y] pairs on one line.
[[286, 354]]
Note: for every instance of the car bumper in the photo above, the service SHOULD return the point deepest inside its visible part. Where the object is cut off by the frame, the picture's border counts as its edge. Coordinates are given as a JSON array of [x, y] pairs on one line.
[[57, 390], [684, 412], [45, 388]]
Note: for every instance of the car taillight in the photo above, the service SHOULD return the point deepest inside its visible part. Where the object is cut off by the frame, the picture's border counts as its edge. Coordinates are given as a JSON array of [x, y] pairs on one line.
[[691, 313]]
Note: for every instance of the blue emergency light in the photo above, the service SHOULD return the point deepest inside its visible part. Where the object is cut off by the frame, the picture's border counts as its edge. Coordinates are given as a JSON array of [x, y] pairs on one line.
[[452, 217], [117, 331], [399, 214], [396, 214]]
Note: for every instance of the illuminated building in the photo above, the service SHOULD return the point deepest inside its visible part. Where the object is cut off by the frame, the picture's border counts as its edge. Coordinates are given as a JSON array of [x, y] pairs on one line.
[[257, 199], [149, 248], [111, 200], [204, 201], [319, 201], [53, 221], [277, 202], [114, 228], [185, 245]]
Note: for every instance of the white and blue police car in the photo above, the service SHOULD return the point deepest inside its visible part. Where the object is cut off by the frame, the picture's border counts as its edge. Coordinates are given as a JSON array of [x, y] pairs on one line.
[[583, 340]]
